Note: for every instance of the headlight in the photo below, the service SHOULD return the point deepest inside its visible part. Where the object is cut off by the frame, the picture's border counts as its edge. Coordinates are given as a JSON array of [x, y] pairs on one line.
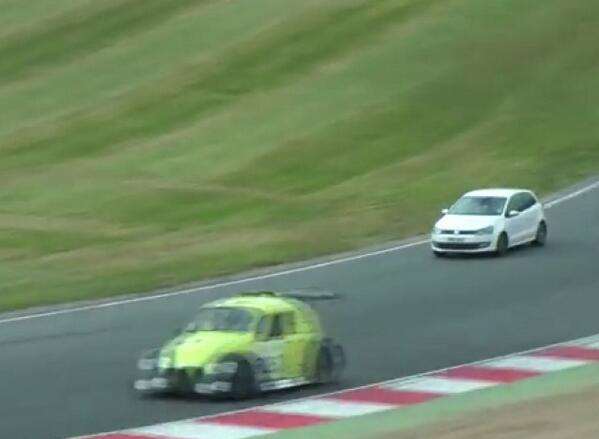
[[436, 230], [146, 364], [164, 362], [225, 367], [486, 231]]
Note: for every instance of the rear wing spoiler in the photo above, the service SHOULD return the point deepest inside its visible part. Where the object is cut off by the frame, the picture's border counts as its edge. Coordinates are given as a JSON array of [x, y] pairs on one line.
[[306, 294]]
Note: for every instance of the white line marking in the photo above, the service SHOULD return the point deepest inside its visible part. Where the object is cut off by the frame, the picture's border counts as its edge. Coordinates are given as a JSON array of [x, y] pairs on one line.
[[195, 430], [441, 385], [575, 194], [215, 286], [548, 205], [535, 364], [329, 408]]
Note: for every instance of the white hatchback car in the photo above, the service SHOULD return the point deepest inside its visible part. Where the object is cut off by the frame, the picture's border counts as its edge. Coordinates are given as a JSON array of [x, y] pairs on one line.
[[490, 220]]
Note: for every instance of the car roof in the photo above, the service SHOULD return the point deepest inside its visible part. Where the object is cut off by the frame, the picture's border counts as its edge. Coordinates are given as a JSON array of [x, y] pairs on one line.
[[267, 303], [495, 192]]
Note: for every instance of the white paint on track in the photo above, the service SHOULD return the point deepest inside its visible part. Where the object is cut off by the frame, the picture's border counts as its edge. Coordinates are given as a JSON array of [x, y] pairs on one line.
[[329, 408], [190, 430], [535, 364], [441, 385], [315, 266]]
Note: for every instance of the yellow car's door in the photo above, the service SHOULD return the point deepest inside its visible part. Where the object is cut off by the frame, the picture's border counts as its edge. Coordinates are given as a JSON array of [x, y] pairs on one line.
[[299, 353], [270, 349], [281, 349]]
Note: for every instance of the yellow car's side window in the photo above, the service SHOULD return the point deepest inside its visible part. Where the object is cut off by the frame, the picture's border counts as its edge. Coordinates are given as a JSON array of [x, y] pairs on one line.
[[276, 328], [288, 320], [263, 328]]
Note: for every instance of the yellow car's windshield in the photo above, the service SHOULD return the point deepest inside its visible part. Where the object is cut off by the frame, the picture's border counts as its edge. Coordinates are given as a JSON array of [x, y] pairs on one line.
[[222, 319]]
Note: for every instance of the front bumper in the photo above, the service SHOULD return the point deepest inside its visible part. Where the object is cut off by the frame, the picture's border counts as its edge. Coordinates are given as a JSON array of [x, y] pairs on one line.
[[213, 386], [154, 379], [160, 384], [160, 380], [462, 244]]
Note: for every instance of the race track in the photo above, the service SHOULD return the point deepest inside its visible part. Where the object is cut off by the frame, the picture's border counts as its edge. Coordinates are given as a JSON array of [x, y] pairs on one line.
[[404, 312]]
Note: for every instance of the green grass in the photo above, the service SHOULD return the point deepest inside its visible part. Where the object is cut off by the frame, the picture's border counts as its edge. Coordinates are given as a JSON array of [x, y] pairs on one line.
[[149, 143], [385, 424]]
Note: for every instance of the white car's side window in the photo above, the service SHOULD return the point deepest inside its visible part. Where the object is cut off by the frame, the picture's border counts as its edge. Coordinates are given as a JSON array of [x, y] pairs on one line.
[[513, 204], [529, 201]]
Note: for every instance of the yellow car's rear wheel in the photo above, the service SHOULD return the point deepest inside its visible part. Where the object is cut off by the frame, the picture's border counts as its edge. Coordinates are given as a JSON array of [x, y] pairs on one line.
[[330, 363]]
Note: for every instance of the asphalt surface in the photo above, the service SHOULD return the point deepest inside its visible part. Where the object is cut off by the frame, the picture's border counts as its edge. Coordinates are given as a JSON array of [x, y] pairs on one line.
[[404, 312]]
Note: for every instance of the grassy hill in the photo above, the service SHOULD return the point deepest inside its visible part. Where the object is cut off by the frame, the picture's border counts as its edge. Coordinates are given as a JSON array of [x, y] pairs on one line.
[[145, 143]]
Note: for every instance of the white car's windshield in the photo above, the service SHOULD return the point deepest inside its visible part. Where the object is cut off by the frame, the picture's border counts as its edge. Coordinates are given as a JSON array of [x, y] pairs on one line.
[[492, 206], [222, 319]]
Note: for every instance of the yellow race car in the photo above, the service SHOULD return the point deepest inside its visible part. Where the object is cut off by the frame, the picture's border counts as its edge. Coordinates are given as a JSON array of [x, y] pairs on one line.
[[243, 345]]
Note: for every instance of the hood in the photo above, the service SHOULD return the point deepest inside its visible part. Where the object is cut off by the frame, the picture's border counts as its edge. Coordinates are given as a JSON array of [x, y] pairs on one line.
[[466, 222], [196, 349]]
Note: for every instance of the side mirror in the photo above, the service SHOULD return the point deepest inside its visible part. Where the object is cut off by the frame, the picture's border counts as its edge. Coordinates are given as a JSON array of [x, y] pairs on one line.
[[513, 213], [444, 211]]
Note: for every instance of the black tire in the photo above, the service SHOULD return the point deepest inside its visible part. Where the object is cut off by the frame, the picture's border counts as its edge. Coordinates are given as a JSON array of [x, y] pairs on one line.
[[182, 384], [502, 244], [439, 254], [541, 236], [243, 384], [330, 363], [324, 366]]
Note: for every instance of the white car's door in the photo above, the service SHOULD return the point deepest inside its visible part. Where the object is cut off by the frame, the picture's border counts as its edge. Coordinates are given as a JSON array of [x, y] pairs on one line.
[[516, 225], [531, 216]]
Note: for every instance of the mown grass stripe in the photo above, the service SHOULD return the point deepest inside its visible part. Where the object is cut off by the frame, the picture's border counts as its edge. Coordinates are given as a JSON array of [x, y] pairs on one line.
[[80, 33], [263, 63]]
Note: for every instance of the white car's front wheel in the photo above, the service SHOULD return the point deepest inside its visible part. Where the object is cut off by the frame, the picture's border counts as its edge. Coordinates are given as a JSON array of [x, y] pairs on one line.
[[541, 236], [502, 244]]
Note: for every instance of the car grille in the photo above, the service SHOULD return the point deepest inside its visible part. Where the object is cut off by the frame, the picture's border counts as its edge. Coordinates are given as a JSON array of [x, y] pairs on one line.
[[461, 245], [458, 232]]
